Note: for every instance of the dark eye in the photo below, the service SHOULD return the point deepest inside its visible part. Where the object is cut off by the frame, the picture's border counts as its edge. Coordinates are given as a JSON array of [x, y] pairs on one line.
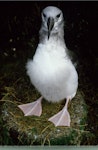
[[44, 15], [58, 15]]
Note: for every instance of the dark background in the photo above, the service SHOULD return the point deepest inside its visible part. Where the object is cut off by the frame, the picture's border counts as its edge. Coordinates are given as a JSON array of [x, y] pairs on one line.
[[20, 21], [19, 34]]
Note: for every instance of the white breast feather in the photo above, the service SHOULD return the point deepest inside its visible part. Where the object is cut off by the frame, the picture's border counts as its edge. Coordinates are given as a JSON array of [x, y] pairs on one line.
[[52, 73]]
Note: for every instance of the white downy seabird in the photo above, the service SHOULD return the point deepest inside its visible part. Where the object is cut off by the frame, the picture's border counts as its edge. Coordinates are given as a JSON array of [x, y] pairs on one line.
[[51, 71]]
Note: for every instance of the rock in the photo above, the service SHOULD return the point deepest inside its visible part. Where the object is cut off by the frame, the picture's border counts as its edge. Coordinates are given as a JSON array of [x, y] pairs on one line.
[[32, 130]]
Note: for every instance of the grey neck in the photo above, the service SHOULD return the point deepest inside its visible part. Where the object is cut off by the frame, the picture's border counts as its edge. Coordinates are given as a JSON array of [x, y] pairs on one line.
[[57, 37]]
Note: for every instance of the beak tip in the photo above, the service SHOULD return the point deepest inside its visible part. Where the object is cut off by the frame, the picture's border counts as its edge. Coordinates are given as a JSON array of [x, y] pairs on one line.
[[48, 37]]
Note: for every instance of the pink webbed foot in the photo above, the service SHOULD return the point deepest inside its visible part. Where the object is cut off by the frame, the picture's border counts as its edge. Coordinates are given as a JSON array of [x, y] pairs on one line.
[[33, 108], [62, 118]]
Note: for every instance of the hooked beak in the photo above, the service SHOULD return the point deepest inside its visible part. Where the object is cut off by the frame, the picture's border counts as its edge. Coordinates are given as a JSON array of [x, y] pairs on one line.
[[50, 24]]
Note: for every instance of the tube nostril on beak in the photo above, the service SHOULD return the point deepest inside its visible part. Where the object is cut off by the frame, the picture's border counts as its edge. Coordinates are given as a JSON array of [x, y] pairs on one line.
[[50, 24]]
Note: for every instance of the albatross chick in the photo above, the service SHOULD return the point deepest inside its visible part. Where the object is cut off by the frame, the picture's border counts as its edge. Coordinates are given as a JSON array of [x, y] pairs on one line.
[[51, 70]]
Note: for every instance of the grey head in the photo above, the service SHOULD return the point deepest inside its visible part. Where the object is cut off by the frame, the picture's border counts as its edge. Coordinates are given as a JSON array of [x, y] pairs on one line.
[[52, 20]]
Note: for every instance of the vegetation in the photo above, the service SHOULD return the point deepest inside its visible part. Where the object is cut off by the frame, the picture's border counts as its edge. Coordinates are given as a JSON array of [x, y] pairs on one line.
[[18, 40]]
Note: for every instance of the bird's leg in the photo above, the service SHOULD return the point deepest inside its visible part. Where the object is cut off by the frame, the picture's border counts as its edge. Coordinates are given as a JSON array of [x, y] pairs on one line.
[[33, 108], [62, 118]]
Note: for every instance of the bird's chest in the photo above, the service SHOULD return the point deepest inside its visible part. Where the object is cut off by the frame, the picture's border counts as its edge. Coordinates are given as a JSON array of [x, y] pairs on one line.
[[51, 71], [50, 60]]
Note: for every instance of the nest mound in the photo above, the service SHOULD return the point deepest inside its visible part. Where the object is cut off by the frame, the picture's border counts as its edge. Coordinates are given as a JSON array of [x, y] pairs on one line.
[[32, 130]]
